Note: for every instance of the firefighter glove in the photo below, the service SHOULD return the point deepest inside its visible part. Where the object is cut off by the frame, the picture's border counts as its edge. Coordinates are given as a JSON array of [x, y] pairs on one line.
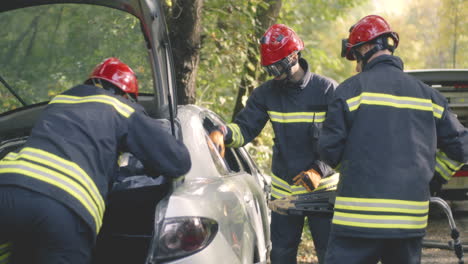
[[310, 179], [217, 137]]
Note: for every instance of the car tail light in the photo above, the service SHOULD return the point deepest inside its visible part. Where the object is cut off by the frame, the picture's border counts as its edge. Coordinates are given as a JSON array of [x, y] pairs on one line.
[[182, 236]]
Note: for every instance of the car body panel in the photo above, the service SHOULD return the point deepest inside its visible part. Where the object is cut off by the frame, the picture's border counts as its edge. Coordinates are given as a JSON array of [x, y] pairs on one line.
[[236, 201]]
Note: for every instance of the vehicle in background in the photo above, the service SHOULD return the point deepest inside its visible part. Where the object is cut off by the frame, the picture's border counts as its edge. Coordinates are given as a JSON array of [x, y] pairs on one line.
[[453, 84], [217, 213]]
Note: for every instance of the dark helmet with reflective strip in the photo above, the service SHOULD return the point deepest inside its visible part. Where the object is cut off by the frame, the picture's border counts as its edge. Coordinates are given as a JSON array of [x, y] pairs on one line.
[[117, 73], [370, 29], [277, 45]]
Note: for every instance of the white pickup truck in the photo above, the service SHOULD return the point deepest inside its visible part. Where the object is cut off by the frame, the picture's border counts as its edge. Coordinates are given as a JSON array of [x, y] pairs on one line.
[[453, 84]]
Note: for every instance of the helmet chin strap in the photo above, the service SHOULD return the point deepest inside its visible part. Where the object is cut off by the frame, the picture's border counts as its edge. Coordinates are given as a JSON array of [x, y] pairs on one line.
[[379, 44], [97, 83], [289, 74], [130, 98], [370, 53]]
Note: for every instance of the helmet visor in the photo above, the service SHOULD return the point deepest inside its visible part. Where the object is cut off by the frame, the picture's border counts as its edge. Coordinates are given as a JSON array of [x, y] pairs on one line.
[[344, 47], [280, 67], [275, 69]]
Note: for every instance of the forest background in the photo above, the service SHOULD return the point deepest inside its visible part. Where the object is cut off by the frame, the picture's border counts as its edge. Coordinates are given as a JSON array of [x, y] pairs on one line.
[[433, 34]]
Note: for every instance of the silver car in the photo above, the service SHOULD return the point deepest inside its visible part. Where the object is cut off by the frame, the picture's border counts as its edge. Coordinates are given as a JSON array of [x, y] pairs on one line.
[[216, 213]]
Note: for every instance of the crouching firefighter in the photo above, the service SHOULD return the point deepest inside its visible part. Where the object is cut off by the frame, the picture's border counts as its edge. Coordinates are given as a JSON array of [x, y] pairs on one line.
[[383, 131], [295, 102], [53, 191]]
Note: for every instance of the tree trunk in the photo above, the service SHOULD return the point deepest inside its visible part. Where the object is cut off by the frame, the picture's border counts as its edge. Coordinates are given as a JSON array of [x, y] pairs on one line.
[[264, 18], [184, 31]]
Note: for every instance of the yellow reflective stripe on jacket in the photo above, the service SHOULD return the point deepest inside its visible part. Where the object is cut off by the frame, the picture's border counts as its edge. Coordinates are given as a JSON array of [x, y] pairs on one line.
[[122, 108], [337, 168], [297, 117], [57, 179], [287, 189], [237, 137], [277, 181], [395, 101], [450, 163], [380, 221], [11, 156], [5, 252], [5, 246], [382, 205], [445, 166], [68, 168], [328, 183], [5, 257], [278, 193]]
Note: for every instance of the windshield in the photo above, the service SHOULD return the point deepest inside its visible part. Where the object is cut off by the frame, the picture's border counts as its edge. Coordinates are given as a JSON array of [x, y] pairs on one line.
[[47, 49]]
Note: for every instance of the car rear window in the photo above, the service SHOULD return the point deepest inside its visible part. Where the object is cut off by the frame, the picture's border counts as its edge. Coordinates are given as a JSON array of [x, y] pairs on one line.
[[47, 49]]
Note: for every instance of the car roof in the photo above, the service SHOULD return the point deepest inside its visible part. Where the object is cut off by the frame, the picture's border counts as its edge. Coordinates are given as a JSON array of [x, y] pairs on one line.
[[441, 76]]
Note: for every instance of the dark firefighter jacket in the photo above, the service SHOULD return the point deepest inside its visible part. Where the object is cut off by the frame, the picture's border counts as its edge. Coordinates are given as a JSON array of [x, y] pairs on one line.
[[296, 112], [73, 149], [383, 130]]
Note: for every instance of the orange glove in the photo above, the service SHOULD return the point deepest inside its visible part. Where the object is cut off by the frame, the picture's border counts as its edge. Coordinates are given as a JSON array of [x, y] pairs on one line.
[[218, 140], [309, 179]]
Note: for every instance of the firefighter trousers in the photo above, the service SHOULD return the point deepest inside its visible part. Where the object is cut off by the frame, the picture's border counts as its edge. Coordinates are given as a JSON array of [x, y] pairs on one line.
[[356, 250], [41, 230], [286, 231]]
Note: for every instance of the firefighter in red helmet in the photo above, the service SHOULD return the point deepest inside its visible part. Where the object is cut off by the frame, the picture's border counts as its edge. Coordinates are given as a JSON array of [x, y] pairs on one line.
[[53, 190], [121, 78], [295, 101], [388, 133], [372, 30]]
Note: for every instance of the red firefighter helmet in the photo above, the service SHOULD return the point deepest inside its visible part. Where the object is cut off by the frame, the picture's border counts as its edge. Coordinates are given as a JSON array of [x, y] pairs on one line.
[[278, 42], [117, 73], [365, 30]]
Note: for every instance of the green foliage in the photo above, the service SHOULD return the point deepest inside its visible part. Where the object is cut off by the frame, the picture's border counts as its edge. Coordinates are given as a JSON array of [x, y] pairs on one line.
[[227, 32], [433, 34], [48, 49]]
